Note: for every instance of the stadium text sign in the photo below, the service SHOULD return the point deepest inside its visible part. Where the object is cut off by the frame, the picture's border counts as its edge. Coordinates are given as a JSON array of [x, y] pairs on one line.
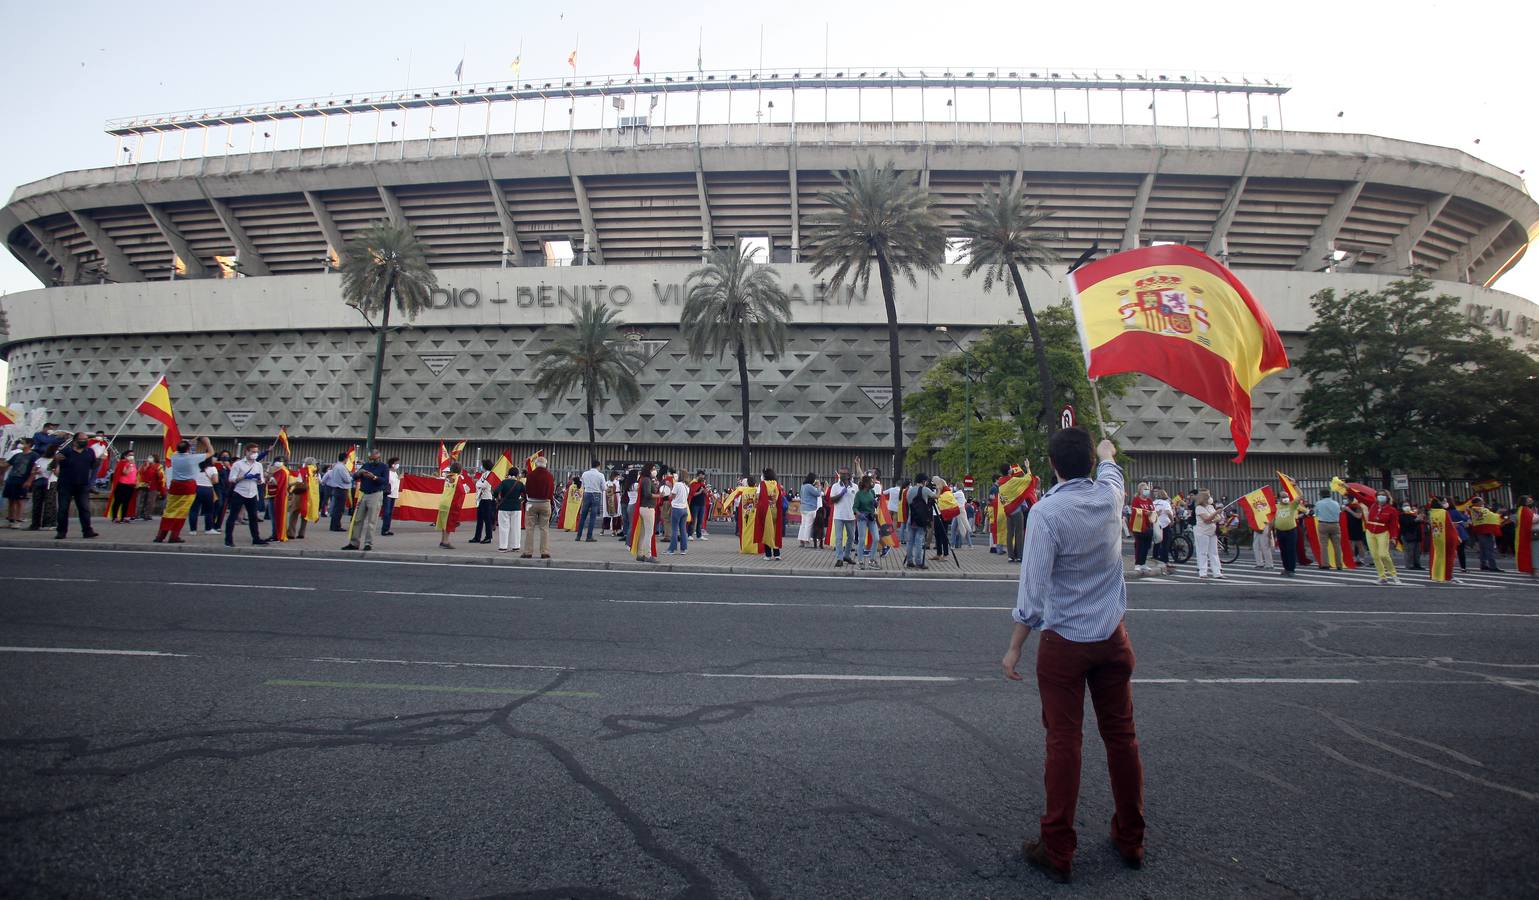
[[548, 295]]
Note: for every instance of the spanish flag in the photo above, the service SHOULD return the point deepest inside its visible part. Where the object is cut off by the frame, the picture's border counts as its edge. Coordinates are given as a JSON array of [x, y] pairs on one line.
[[9, 416], [502, 467], [352, 458], [1259, 508], [454, 454], [1490, 484], [1444, 547], [1017, 488], [946, 502], [1354, 490], [157, 405], [443, 458], [1290, 489], [529, 460], [283, 441], [1176, 314]]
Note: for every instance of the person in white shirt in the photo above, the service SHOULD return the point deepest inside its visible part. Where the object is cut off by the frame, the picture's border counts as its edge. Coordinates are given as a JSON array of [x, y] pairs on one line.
[[678, 519], [392, 494], [246, 480], [842, 497], [204, 477], [486, 506], [1205, 531], [592, 500]]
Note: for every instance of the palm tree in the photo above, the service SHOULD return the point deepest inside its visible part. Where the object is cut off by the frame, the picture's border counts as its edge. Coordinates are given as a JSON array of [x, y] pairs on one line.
[[385, 262], [593, 356], [735, 304], [884, 215], [1000, 241]]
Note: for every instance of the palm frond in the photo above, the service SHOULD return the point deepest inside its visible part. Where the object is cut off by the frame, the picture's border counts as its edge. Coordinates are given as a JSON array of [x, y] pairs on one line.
[[383, 249], [592, 356], [730, 300], [1001, 230], [876, 211]]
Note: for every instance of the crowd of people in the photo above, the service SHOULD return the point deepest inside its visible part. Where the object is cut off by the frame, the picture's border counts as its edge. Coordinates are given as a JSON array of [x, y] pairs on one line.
[[655, 508], [1327, 532]]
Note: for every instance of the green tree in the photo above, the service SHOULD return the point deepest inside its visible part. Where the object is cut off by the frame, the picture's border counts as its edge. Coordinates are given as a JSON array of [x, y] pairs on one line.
[[733, 303], [1005, 394], [385, 262], [1002, 238], [594, 357], [881, 215], [1396, 381]]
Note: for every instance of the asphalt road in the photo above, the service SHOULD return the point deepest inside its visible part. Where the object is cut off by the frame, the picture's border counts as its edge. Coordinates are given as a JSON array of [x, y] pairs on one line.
[[248, 726]]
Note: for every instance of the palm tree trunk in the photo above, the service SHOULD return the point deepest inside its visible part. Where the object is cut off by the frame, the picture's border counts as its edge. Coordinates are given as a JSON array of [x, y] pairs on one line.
[[379, 365], [592, 435], [742, 386], [894, 364], [1044, 374]]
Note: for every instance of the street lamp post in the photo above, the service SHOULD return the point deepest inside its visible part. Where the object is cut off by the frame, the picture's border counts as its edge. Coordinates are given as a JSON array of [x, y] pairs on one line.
[[967, 384]]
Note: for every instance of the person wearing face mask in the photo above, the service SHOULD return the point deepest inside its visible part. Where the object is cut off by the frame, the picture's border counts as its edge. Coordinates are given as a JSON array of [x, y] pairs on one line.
[[1141, 526], [125, 477], [1487, 526], [1381, 528], [76, 464], [245, 487], [373, 482], [183, 490], [392, 494], [1411, 523]]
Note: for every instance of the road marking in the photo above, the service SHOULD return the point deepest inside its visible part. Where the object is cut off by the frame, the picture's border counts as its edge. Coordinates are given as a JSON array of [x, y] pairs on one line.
[[212, 584], [424, 662], [817, 677], [433, 594], [88, 651], [39, 578], [1276, 681], [427, 688]]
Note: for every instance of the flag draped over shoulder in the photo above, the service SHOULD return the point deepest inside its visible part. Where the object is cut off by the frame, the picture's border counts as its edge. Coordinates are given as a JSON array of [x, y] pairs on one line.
[[1017, 488], [1259, 508], [157, 405], [1176, 314], [946, 502], [1444, 544]]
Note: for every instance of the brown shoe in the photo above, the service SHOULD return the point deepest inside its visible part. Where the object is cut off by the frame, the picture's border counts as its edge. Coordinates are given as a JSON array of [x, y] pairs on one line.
[[1135, 861], [1036, 854]]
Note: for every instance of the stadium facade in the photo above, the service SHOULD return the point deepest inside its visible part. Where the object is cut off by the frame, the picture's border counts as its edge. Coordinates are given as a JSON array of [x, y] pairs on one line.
[[630, 208]]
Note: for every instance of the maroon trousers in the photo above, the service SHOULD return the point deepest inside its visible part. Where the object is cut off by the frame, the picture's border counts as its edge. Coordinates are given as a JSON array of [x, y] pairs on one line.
[[1063, 669]]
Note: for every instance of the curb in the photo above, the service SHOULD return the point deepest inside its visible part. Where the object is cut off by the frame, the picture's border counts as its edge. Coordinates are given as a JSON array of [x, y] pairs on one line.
[[502, 560]]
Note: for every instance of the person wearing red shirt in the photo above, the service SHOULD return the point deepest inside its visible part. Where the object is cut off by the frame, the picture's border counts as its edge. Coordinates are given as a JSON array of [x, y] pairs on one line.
[[1381, 525], [1141, 526], [540, 489], [124, 478], [699, 505]]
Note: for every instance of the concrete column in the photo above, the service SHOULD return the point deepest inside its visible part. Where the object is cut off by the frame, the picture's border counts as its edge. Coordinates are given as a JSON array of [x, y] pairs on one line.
[[250, 260], [40, 267], [1226, 216], [1458, 266], [119, 267], [707, 231], [1399, 258], [1486, 269], [68, 263], [1316, 254], [514, 249], [1140, 206], [167, 229], [392, 205], [323, 218], [796, 206], [590, 231]]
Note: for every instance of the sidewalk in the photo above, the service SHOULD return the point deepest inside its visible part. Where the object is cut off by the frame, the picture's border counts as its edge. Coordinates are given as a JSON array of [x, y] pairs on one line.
[[418, 542]]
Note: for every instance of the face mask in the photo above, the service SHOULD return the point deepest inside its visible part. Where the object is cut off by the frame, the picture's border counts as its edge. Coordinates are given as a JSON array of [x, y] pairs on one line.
[[395, 466], [1383, 499], [1143, 493], [128, 459], [80, 442], [251, 456]]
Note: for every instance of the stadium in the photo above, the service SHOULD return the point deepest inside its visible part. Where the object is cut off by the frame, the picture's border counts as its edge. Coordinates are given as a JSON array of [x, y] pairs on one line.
[[523, 221]]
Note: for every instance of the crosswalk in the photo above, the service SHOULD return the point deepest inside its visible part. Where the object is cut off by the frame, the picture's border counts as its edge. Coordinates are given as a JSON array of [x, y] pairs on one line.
[[1249, 576]]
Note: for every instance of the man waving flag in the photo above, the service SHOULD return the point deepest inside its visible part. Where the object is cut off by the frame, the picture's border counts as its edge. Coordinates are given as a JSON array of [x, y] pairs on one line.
[[1176, 314]]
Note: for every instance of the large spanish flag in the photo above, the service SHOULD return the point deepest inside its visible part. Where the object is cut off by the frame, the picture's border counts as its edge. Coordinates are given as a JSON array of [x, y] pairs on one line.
[[1016, 488], [157, 405], [9, 416], [1259, 508], [1176, 314]]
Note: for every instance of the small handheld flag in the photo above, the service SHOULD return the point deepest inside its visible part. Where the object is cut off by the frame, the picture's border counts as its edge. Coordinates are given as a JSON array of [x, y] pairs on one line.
[[1290, 489], [1176, 314], [443, 458], [1259, 508], [283, 441]]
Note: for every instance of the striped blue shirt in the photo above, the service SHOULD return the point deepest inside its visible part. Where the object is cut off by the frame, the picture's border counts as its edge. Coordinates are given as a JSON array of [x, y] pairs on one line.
[[1071, 567]]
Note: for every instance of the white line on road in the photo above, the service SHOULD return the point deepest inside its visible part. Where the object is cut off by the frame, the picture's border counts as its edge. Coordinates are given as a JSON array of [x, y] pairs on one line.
[[39, 578], [88, 651], [425, 662], [254, 587], [817, 677]]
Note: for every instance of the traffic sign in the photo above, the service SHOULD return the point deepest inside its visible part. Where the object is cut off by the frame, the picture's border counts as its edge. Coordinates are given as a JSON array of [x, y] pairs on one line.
[[1066, 418]]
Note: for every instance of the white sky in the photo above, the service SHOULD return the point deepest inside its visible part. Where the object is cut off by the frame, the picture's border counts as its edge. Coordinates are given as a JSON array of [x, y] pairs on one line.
[[1441, 73]]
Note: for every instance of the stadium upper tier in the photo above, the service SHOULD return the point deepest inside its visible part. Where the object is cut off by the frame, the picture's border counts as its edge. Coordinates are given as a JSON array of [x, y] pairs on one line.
[[1262, 199]]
